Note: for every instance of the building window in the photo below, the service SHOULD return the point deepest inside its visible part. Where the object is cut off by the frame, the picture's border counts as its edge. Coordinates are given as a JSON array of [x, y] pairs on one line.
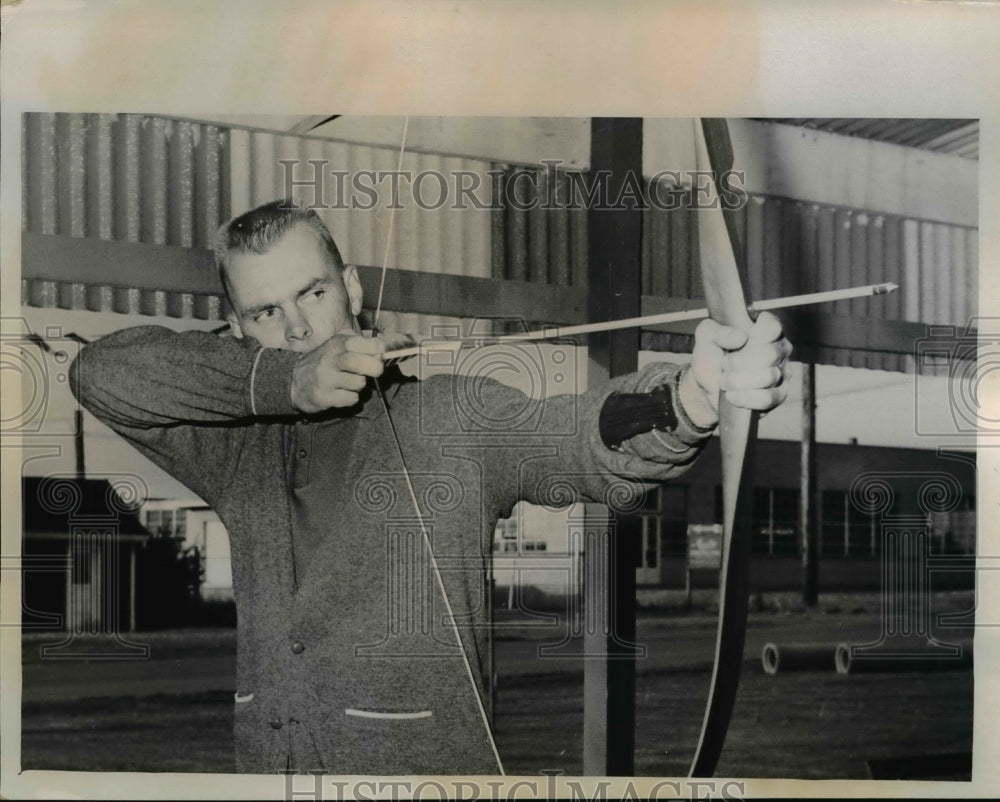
[[161, 522], [782, 526], [664, 524], [954, 532], [674, 520], [82, 557], [652, 502], [846, 531], [775, 520], [650, 541], [849, 532]]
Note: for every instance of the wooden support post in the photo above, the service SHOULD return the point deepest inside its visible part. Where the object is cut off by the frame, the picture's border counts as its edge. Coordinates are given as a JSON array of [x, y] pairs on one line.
[[614, 289], [131, 586], [70, 606], [81, 466], [809, 513]]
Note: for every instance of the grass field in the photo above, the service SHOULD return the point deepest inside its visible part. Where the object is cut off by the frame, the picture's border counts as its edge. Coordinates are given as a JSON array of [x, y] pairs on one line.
[[811, 724]]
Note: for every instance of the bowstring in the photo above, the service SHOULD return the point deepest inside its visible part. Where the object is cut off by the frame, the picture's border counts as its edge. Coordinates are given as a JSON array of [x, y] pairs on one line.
[[435, 568], [392, 222]]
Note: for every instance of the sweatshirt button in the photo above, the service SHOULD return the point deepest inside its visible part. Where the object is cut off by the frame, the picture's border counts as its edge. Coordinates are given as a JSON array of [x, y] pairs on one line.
[[298, 648], [276, 724], [301, 454]]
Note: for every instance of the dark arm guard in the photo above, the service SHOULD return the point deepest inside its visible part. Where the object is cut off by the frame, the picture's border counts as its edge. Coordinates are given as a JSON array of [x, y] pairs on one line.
[[625, 415]]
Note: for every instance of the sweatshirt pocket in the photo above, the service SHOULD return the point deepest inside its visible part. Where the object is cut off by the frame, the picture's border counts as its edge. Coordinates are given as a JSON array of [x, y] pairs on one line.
[[386, 740], [258, 745], [386, 714]]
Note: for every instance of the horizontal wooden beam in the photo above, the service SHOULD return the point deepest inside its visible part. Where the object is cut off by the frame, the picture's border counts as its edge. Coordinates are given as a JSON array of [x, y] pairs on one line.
[[472, 297], [807, 329], [84, 260], [80, 260], [826, 330]]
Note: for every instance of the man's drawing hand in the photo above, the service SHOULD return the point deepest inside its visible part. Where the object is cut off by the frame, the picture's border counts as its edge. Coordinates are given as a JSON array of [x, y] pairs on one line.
[[334, 373]]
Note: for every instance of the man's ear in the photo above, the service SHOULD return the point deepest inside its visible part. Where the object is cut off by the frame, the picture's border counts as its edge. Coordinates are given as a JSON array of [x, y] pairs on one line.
[[234, 324], [354, 292]]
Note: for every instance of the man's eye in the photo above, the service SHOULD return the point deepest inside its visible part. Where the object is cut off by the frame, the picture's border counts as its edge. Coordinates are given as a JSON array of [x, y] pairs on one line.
[[266, 315], [317, 294]]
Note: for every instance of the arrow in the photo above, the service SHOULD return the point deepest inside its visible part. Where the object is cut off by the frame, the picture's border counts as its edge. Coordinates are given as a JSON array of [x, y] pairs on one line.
[[647, 320]]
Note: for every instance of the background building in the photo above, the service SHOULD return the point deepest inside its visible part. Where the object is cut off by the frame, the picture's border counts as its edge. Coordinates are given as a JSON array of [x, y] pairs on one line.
[[198, 527], [80, 552]]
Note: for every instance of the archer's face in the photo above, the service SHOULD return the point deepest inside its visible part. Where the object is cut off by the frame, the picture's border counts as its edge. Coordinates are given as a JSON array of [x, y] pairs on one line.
[[294, 296]]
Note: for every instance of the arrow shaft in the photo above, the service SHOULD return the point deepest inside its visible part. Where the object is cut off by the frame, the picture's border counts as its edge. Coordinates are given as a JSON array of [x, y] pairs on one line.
[[553, 332]]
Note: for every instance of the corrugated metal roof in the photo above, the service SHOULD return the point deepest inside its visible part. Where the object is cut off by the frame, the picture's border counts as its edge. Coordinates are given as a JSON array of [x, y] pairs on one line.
[[956, 136]]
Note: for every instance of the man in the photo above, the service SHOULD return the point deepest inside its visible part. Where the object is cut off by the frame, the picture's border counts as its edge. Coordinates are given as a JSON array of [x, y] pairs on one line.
[[359, 652]]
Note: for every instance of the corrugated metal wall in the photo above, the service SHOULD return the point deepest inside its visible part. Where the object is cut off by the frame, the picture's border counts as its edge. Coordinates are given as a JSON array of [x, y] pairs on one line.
[[792, 247], [537, 235], [166, 181], [263, 166], [123, 177], [126, 177]]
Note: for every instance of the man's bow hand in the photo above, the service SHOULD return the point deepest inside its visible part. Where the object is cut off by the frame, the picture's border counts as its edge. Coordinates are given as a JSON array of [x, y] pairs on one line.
[[334, 373], [752, 369]]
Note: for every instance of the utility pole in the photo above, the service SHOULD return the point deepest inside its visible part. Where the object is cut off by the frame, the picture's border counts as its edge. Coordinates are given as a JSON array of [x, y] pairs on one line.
[[809, 513]]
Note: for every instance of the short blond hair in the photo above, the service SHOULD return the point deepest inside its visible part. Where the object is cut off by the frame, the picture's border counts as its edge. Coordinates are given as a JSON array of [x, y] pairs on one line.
[[260, 229]]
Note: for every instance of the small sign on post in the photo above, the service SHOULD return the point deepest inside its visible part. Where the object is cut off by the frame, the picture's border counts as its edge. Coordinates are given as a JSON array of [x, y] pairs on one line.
[[704, 552]]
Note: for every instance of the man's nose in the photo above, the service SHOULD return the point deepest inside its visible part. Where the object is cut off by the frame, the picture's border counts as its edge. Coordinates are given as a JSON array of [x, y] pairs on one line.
[[297, 327]]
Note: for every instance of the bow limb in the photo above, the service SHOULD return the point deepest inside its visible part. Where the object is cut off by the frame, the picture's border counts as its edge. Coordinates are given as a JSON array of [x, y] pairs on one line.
[[724, 283]]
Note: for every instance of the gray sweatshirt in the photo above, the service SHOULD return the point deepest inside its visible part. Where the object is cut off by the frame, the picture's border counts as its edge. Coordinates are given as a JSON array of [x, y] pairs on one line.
[[348, 660]]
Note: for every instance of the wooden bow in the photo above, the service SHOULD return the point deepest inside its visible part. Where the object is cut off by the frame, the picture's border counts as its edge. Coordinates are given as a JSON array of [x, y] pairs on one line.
[[726, 300], [725, 285]]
